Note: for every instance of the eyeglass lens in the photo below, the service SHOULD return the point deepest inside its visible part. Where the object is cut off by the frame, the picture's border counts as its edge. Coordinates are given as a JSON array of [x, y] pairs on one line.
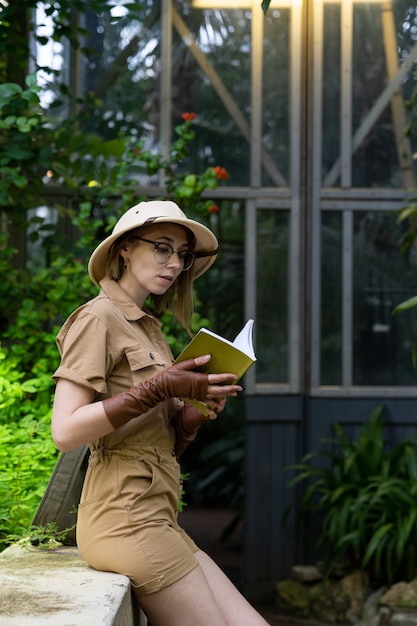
[[163, 252]]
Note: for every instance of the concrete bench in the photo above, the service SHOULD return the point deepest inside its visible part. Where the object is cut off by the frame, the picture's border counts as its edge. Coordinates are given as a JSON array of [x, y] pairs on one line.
[[40, 587]]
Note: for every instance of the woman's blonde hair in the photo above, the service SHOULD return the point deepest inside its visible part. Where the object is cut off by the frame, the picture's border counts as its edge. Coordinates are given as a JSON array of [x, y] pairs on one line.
[[179, 298]]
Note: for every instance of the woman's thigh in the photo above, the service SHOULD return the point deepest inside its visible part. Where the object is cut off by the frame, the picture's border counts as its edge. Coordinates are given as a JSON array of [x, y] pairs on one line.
[[203, 597], [187, 602]]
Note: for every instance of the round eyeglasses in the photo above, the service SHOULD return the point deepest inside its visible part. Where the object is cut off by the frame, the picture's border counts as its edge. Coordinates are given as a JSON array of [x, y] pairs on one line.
[[164, 251]]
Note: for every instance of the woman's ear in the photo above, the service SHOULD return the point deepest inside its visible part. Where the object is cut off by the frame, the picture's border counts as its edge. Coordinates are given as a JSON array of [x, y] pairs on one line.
[[124, 251]]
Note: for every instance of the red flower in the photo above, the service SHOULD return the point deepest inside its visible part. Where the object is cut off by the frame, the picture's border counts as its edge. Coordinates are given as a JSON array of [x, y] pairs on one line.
[[214, 208], [189, 117], [221, 173]]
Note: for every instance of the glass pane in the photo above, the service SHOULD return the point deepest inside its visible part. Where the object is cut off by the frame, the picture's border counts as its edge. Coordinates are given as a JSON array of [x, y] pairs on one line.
[[383, 277], [331, 298], [122, 70], [272, 296], [223, 38], [220, 291], [382, 38], [389, 34], [275, 98], [374, 163], [331, 87]]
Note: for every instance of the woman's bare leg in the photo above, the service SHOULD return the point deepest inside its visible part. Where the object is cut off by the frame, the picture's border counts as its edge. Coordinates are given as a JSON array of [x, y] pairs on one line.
[[204, 597], [235, 609], [188, 602]]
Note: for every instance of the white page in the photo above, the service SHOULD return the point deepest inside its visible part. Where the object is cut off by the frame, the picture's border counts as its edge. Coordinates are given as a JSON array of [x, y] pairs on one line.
[[244, 341]]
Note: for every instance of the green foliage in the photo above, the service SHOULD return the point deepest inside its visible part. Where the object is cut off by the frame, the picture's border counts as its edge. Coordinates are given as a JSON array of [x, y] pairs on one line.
[[86, 180], [44, 537], [27, 453], [182, 503], [186, 190], [37, 299], [408, 217], [366, 499]]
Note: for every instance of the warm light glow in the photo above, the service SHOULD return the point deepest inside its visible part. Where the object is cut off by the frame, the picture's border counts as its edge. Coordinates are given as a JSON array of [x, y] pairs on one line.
[[248, 4], [235, 4]]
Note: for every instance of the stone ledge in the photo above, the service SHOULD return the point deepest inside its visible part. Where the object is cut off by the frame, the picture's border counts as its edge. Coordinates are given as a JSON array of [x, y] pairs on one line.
[[40, 587]]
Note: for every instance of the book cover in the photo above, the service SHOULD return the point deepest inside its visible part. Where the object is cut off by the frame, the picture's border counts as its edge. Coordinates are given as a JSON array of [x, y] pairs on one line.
[[226, 356]]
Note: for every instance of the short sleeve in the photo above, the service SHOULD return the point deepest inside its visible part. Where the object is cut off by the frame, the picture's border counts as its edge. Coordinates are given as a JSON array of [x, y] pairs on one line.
[[86, 353]]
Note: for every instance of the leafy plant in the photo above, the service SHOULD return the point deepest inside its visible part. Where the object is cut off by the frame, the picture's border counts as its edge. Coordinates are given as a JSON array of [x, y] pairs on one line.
[[36, 300], [85, 180], [44, 537], [27, 452], [406, 305], [366, 498], [182, 502]]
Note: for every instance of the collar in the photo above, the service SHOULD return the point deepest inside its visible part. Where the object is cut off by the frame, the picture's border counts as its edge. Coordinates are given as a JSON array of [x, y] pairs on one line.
[[119, 297]]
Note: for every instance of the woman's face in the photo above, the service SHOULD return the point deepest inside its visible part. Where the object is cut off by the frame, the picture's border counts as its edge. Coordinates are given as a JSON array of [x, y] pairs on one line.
[[144, 274]]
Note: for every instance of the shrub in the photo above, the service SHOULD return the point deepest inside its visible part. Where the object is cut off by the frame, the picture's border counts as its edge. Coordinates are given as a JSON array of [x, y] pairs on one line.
[[366, 499], [27, 453], [84, 171]]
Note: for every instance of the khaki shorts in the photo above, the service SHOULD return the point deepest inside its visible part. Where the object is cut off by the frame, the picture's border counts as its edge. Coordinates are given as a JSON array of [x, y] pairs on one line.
[[127, 518]]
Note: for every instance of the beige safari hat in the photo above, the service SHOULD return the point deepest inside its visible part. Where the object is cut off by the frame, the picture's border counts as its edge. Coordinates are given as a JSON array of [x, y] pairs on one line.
[[155, 212]]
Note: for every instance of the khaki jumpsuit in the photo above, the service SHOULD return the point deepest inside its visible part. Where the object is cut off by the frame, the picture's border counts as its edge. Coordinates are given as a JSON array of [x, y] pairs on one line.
[[127, 518]]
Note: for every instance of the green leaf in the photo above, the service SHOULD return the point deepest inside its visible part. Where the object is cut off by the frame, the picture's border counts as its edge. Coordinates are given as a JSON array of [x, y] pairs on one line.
[[7, 91], [377, 542], [265, 5], [407, 304]]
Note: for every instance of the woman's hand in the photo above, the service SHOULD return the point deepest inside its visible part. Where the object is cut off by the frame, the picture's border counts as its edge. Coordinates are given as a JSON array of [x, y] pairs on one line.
[[220, 386], [189, 421]]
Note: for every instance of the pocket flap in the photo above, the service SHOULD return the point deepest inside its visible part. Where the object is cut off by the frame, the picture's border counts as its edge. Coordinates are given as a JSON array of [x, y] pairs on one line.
[[140, 357]]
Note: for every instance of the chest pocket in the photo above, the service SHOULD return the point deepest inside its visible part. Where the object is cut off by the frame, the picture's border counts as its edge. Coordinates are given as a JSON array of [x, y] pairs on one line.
[[145, 363]]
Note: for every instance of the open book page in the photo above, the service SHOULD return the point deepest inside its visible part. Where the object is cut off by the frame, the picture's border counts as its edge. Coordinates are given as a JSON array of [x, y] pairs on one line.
[[233, 357], [243, 340]]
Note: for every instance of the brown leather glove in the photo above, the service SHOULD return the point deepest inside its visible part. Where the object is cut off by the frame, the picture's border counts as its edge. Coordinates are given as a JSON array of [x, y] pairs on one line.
[[178, 381], [186, 427]]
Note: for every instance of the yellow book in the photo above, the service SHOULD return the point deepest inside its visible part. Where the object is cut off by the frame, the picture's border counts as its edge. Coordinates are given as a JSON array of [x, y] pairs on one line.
[[233, 357]]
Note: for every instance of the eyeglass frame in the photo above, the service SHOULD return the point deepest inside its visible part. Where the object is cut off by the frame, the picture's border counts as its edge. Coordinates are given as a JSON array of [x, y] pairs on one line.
[[156, 244]]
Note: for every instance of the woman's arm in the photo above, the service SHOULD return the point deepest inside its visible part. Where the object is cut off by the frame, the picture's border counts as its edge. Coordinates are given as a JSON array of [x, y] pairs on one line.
[[76, 419]]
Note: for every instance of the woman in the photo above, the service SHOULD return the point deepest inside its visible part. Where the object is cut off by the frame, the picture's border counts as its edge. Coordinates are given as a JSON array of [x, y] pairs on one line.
[[118, 392]]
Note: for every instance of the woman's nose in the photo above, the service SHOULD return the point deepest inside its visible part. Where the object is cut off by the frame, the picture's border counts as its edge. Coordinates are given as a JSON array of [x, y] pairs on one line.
[[175, 260]]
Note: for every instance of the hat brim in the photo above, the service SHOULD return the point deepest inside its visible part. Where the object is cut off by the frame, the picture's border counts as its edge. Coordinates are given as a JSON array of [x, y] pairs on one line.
[[206, 247]]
